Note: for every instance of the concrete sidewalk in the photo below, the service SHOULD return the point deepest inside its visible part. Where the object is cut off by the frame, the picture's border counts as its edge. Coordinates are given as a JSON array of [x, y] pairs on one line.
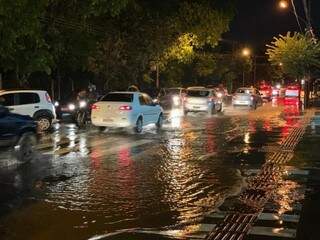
[[307, 156]]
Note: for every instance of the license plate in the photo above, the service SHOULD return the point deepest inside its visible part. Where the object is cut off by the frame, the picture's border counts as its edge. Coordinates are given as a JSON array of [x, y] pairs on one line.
[[107, 120]]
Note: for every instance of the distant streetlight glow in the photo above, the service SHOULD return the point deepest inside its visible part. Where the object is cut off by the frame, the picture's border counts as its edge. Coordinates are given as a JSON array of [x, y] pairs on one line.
[[283, 4], [246, 52]]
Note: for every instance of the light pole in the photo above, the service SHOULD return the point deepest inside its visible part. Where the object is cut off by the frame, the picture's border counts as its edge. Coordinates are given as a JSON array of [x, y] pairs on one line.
[[284, 4], [246, 53]]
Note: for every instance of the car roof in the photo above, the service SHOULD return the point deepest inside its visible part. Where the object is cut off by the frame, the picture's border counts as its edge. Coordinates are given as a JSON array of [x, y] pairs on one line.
[[196, 87], [175, 88], [249, 88], [21, 90], [200, 89]]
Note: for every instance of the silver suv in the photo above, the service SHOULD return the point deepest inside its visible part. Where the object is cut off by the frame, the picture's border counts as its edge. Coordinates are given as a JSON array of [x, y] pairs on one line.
[[200, 99]]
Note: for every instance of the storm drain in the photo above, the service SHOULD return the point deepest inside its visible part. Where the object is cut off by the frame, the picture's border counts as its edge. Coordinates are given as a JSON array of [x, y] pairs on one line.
[[261, 187]]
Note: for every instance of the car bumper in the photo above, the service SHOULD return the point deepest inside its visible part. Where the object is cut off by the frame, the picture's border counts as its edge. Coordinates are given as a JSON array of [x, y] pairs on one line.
[[112, 123], [197, 108], [241, 103]]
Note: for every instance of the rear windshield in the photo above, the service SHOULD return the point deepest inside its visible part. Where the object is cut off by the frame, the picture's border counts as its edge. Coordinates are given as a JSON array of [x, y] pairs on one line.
[[117, 97], [198, 93], [172, 91], [245, 90]]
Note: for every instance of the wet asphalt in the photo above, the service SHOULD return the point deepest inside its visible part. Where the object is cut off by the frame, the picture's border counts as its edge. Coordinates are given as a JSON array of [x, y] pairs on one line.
[[84, 183]]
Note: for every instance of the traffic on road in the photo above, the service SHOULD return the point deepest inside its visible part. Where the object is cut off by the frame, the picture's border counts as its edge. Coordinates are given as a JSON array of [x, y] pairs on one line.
[[134, 164]]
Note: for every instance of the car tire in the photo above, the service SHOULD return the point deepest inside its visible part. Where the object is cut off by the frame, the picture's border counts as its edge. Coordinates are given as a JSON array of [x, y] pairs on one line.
[[160, 122], [102, 129], [81, 119], [220, 108], [254, 106], [212, 110], [44, 123], [139, 125], [25, 148]]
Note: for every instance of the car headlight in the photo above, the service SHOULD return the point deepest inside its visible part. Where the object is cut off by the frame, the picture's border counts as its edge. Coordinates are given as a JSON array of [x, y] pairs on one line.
[[71, 107], [219, 95], [56, 104], [82, 104]]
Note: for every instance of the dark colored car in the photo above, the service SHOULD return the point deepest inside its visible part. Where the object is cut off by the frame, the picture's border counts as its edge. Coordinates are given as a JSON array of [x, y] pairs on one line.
[[170, 98], [17, 135]]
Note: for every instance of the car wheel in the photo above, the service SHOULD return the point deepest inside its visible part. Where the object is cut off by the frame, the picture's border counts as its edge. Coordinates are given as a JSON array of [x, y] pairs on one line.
[[220, 108], [25, 148], [254, 106], [81, 119], [212, 110], [102, 129], [160, 121], [139, 125], [44, 123]]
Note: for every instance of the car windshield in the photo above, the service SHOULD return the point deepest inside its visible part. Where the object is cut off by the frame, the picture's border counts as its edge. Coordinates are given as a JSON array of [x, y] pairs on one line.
[[172, 91], [118, 97], [245, 91], [198, 93]]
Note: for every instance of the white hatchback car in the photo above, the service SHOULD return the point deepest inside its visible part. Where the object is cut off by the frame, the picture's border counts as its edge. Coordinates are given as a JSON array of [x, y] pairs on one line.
[[126, 109], [36, 104]]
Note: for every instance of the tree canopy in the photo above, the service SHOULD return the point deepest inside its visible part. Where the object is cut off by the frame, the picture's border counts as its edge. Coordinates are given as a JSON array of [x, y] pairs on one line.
[[118, 40], [296, 53]]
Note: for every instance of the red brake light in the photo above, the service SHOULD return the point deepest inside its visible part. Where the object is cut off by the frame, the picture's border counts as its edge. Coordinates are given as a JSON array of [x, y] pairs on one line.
[[125, 108], [94, 107], [48, 98]]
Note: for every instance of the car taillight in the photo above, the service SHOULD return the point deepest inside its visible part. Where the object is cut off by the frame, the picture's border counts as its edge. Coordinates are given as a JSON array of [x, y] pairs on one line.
[[94, 107], [48, 98], [125, 108], [252, 98]]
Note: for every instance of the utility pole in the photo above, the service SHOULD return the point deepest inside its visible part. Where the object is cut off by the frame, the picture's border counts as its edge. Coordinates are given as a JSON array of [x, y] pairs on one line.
[[1, 81], [157, 77]]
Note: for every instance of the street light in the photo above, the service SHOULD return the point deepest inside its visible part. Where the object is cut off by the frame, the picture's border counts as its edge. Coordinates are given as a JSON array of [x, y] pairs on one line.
[[246, 52], [283, 4]]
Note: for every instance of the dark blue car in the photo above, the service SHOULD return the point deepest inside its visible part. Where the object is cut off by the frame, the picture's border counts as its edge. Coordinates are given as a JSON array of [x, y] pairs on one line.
[[17, 135]]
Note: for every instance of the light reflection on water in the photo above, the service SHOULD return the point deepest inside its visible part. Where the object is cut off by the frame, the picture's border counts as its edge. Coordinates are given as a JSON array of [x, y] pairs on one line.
[[163, 182]]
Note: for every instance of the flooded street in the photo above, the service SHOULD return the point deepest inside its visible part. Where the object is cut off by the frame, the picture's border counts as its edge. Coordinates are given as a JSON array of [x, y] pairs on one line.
[[85, 183]]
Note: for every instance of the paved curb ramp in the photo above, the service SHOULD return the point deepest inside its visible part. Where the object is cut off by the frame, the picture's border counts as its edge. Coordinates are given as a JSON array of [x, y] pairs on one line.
[[250, 217]]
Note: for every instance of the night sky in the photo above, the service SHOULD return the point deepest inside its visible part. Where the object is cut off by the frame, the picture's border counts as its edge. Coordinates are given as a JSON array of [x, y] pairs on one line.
[[258, 21]]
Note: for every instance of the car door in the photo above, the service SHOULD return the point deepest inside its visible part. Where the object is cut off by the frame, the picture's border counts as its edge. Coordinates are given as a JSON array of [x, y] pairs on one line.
[[7, 129], [144, 109], [9, 100], [152, 109], [27, 103], [258, 97]]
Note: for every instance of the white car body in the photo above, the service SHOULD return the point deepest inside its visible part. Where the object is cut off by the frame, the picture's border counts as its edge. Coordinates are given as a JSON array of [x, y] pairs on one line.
[[34, 103], [202, 100], [123, 109]]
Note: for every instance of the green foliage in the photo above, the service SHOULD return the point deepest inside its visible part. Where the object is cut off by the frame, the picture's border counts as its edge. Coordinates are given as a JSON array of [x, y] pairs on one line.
[[22, 46], [296, 53], [120, 41]]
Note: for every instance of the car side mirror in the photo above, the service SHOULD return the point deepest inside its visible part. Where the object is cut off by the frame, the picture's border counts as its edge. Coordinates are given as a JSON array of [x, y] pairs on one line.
[[3, 111]]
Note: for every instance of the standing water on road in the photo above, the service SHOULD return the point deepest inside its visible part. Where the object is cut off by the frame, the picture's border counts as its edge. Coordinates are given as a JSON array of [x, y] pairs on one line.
[[87, 183]]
